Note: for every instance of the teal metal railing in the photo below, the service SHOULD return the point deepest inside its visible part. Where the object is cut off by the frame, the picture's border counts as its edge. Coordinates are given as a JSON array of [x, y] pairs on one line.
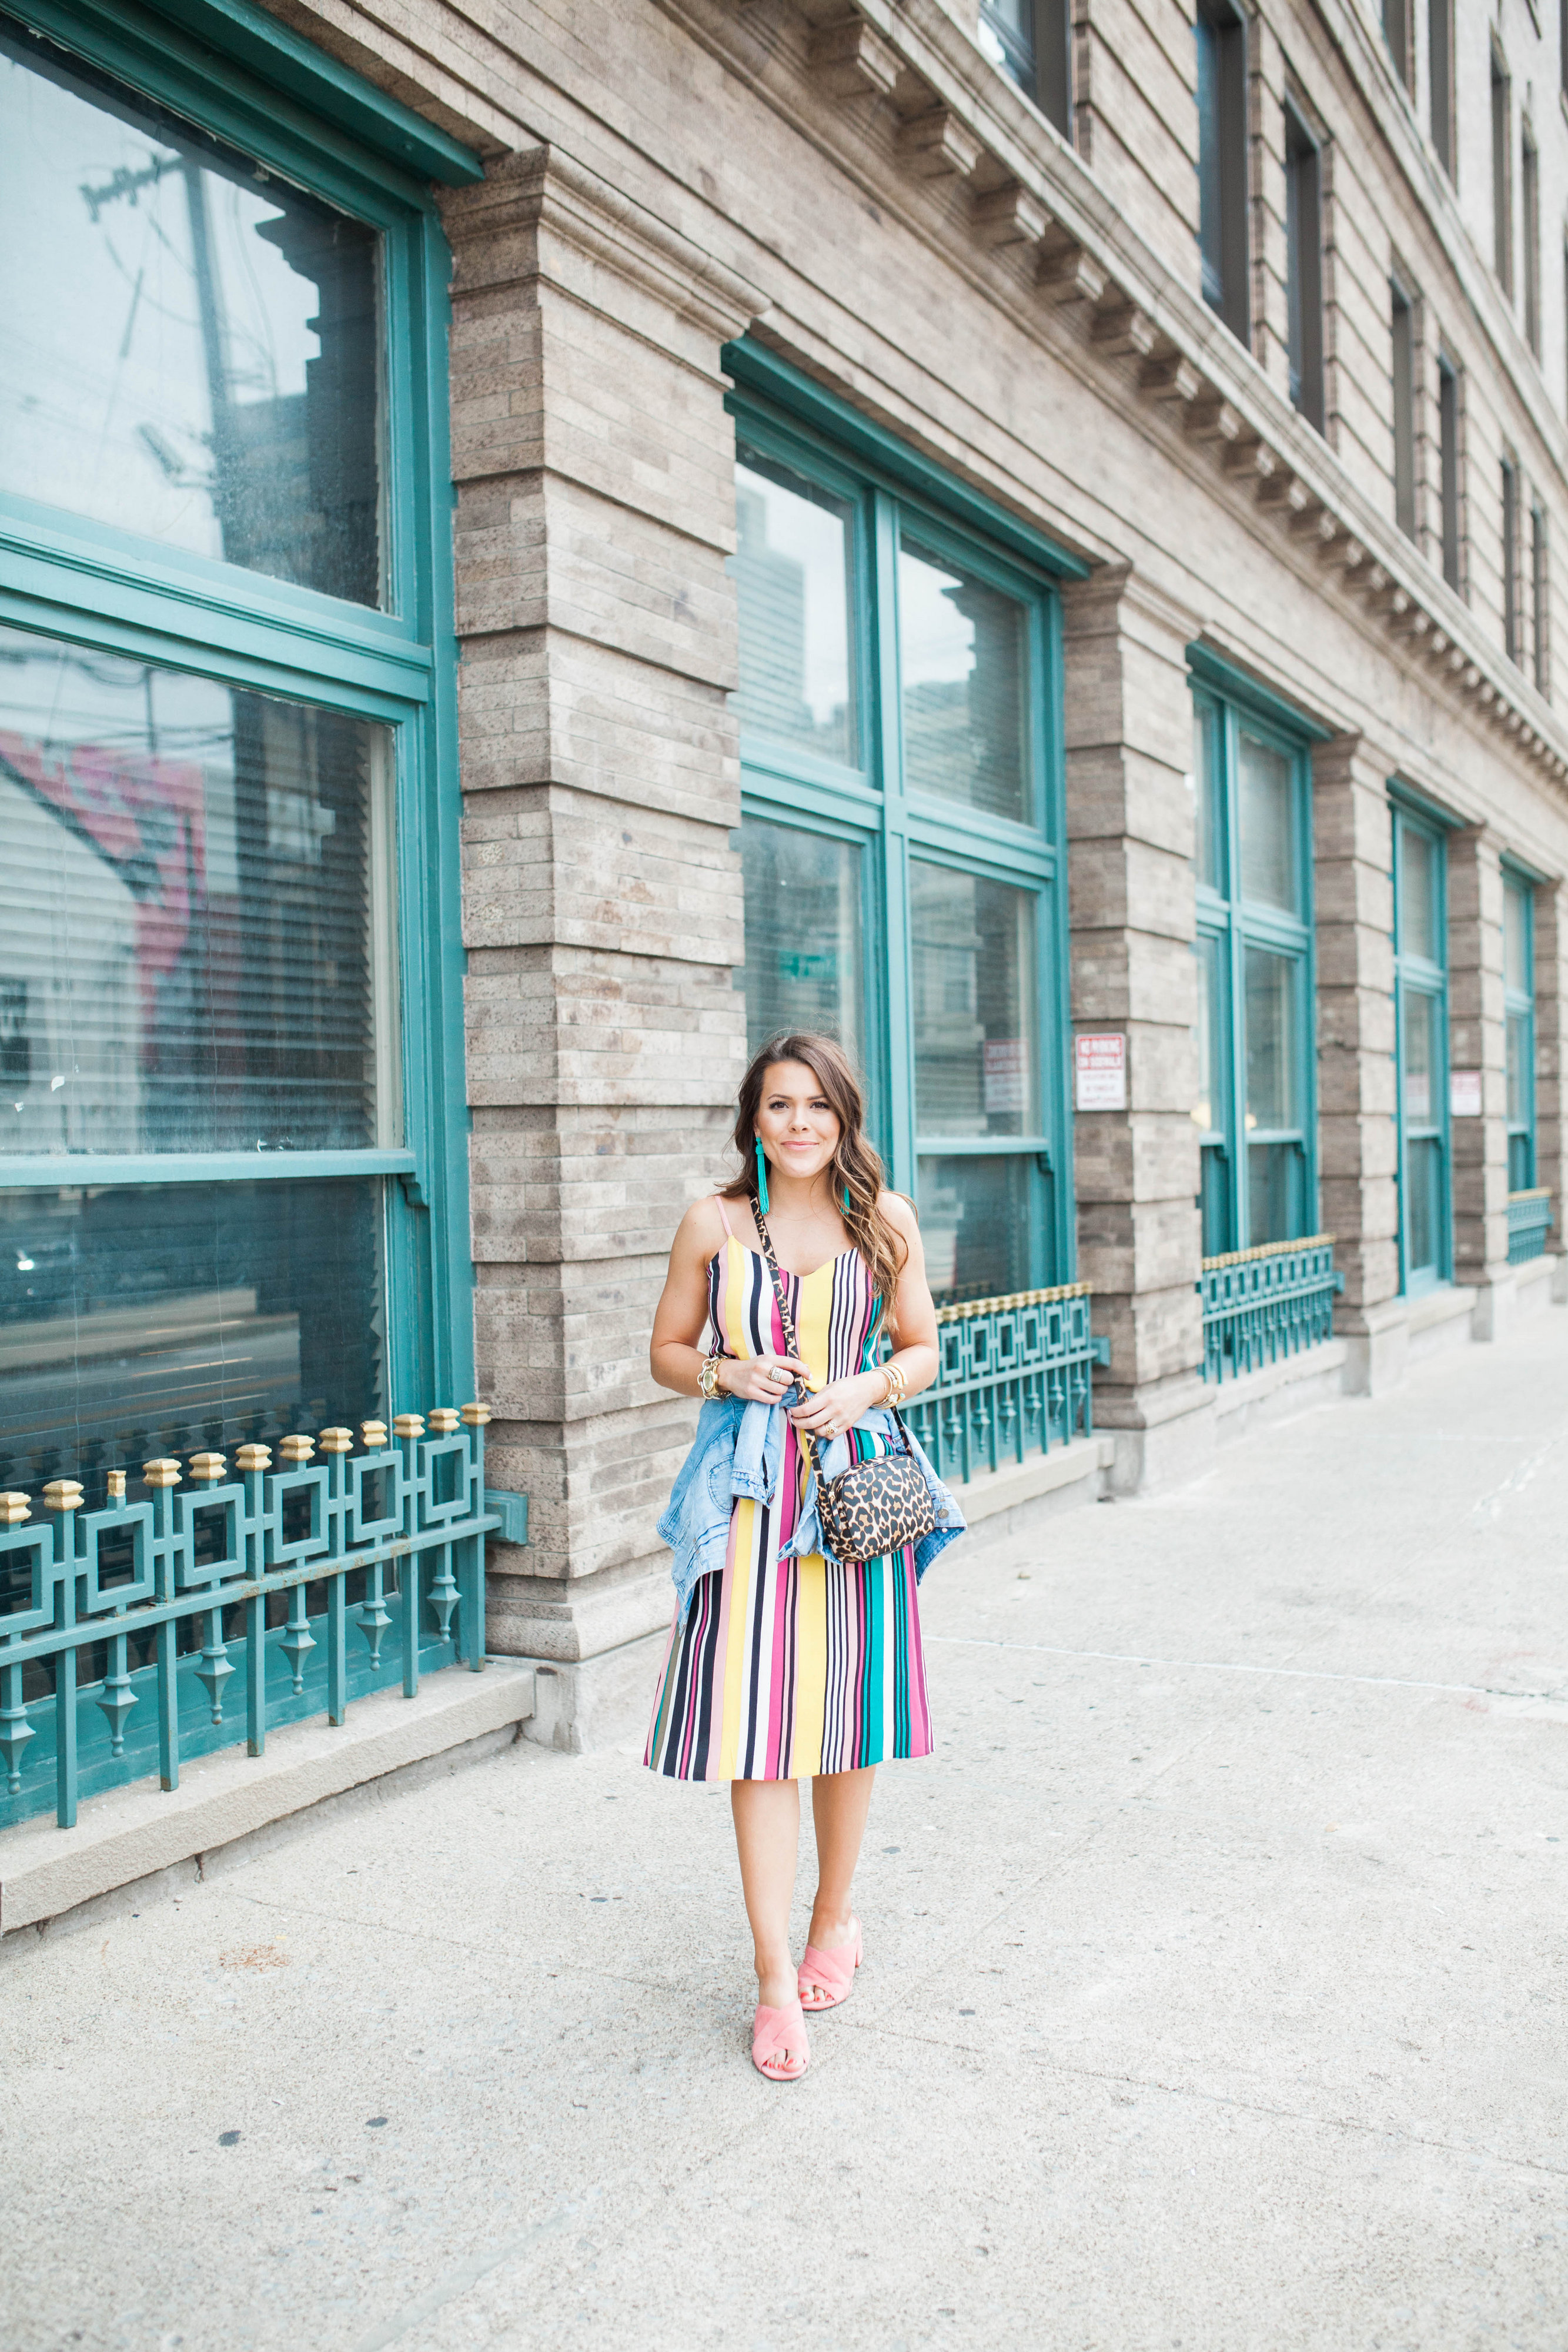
[[124, 1632], [1015, 1380], [1260, 1304], [1528, 1222]]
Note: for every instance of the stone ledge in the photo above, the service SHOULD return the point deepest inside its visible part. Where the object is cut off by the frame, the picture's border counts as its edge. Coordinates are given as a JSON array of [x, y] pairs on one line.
[[1042, 1474], [129, 1834], [1326, 1361]]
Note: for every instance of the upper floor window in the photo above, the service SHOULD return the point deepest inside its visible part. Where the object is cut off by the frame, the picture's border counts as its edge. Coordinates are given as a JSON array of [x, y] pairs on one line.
[[1440, 72], [1448, 471], [1512, 631], [1540, 597], [1222, 161], [1529, 207], [1502, 172], [1397, 31], [1031, 41], [1403, 358], [1303, 266]]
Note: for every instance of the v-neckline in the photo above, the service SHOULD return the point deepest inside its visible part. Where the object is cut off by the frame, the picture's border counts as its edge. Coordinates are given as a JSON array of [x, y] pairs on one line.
[[784, 1269]]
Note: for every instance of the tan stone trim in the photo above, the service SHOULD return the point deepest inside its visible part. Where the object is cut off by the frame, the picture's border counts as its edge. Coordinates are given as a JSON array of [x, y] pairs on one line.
[[496, 228]]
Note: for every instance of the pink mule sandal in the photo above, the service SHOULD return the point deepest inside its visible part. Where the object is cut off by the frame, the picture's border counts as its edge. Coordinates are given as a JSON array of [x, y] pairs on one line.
[[829, 1973], [774, 2032]]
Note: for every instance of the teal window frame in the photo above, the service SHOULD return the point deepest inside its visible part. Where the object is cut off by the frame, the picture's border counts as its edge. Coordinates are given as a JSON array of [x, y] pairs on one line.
[[784, 415], [1415, 974], [1226, 926], [236, 74], [1519, 1007]]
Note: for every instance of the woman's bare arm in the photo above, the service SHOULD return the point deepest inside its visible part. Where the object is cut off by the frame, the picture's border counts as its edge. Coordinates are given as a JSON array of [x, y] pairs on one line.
[[674, 1356]]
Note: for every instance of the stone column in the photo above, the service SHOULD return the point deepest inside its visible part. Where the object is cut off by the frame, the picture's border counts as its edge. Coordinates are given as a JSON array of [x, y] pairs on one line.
[[1129, 828], [594, 467], [1358, 1142], [1476, 1041]]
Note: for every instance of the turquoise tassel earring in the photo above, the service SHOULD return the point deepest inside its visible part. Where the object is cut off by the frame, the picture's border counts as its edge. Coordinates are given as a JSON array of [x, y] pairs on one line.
[[848, 1202], [761, 1178]]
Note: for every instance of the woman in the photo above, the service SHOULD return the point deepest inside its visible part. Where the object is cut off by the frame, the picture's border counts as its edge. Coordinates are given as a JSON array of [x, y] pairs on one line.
[[782, 1663]]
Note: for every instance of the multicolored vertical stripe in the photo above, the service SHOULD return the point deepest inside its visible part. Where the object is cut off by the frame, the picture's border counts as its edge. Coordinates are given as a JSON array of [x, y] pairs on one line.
[[790, 1667]]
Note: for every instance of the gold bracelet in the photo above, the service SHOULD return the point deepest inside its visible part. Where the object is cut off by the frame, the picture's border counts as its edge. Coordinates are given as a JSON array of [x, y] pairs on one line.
[[893, 1375], [707, 1379]]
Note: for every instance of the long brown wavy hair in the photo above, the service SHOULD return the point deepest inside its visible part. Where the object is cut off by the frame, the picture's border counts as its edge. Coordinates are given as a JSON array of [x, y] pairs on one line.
[[856, 1168]]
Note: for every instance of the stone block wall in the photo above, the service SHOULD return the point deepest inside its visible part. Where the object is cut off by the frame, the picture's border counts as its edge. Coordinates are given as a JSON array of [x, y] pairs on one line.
[[602, 906]]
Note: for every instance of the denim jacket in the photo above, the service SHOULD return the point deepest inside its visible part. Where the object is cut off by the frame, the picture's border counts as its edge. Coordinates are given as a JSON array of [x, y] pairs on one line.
[[735, 1456]]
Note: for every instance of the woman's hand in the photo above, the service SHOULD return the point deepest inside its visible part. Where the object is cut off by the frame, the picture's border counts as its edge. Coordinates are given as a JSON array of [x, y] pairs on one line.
[[839, 1406], [760, 1380]]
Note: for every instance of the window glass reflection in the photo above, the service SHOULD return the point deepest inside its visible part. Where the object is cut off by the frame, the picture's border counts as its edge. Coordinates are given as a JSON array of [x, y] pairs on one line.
[[791, 570], [1265, 779], [190, 953], [1272, 1052], [1516, 925], [1207, 837], [1518, 1029], [803, 941], [191, 349], [962, 649], [1208, 1111], [1418, 1053], [1424, 1202], [140, 1320], [977, 1046], [1417, 894], [979, 1221]]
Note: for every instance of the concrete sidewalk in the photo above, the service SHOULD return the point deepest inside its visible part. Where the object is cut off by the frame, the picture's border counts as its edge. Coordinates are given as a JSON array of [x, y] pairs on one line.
[[1214, 1994]]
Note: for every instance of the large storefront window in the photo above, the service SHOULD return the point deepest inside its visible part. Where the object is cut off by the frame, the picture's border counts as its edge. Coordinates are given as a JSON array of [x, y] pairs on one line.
[[1254, 1109], [1519, 1014], [225, 1213], [1421, 982], [900, 840]]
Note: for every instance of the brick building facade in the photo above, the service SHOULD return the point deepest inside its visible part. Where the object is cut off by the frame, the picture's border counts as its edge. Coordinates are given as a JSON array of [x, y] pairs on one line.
[[1139, 620]]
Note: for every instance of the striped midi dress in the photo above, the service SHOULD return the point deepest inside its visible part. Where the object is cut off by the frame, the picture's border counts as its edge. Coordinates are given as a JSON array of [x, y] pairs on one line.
[[788, 1667]]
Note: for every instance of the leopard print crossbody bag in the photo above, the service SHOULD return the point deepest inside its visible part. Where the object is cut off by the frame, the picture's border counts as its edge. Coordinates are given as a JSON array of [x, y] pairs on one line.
[[873, 1507]]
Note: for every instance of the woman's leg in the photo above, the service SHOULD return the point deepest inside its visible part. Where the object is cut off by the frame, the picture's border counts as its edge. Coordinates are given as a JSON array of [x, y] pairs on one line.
[[768, 1839], [840, 1803]]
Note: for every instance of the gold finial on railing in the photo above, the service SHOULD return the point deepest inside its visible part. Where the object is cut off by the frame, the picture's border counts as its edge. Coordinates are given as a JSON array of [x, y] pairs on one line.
[[254, 1457], [62, 1494], [114, 1480], [375, 1433], [298, 1449], [162, 1471], [408, 1425], [443, 1419], [14, 1508], [206, 1469], [476, 1415], [337, 1440]]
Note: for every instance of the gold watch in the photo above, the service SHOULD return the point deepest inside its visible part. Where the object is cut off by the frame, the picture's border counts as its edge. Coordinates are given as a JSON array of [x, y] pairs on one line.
[[707, 1379]]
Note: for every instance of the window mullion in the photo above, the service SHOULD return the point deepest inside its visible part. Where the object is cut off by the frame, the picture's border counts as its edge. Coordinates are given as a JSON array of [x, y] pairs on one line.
[[887, 735]]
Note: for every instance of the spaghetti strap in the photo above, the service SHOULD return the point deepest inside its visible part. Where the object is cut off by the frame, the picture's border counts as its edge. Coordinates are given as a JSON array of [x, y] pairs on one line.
[[718, 1203]]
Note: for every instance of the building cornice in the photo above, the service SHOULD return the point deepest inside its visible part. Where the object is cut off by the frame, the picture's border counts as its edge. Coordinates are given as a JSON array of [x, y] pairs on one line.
[[501, 231]]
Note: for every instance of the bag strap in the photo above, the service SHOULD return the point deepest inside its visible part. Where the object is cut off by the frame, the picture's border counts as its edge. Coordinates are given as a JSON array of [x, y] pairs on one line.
[[786, 1318]]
